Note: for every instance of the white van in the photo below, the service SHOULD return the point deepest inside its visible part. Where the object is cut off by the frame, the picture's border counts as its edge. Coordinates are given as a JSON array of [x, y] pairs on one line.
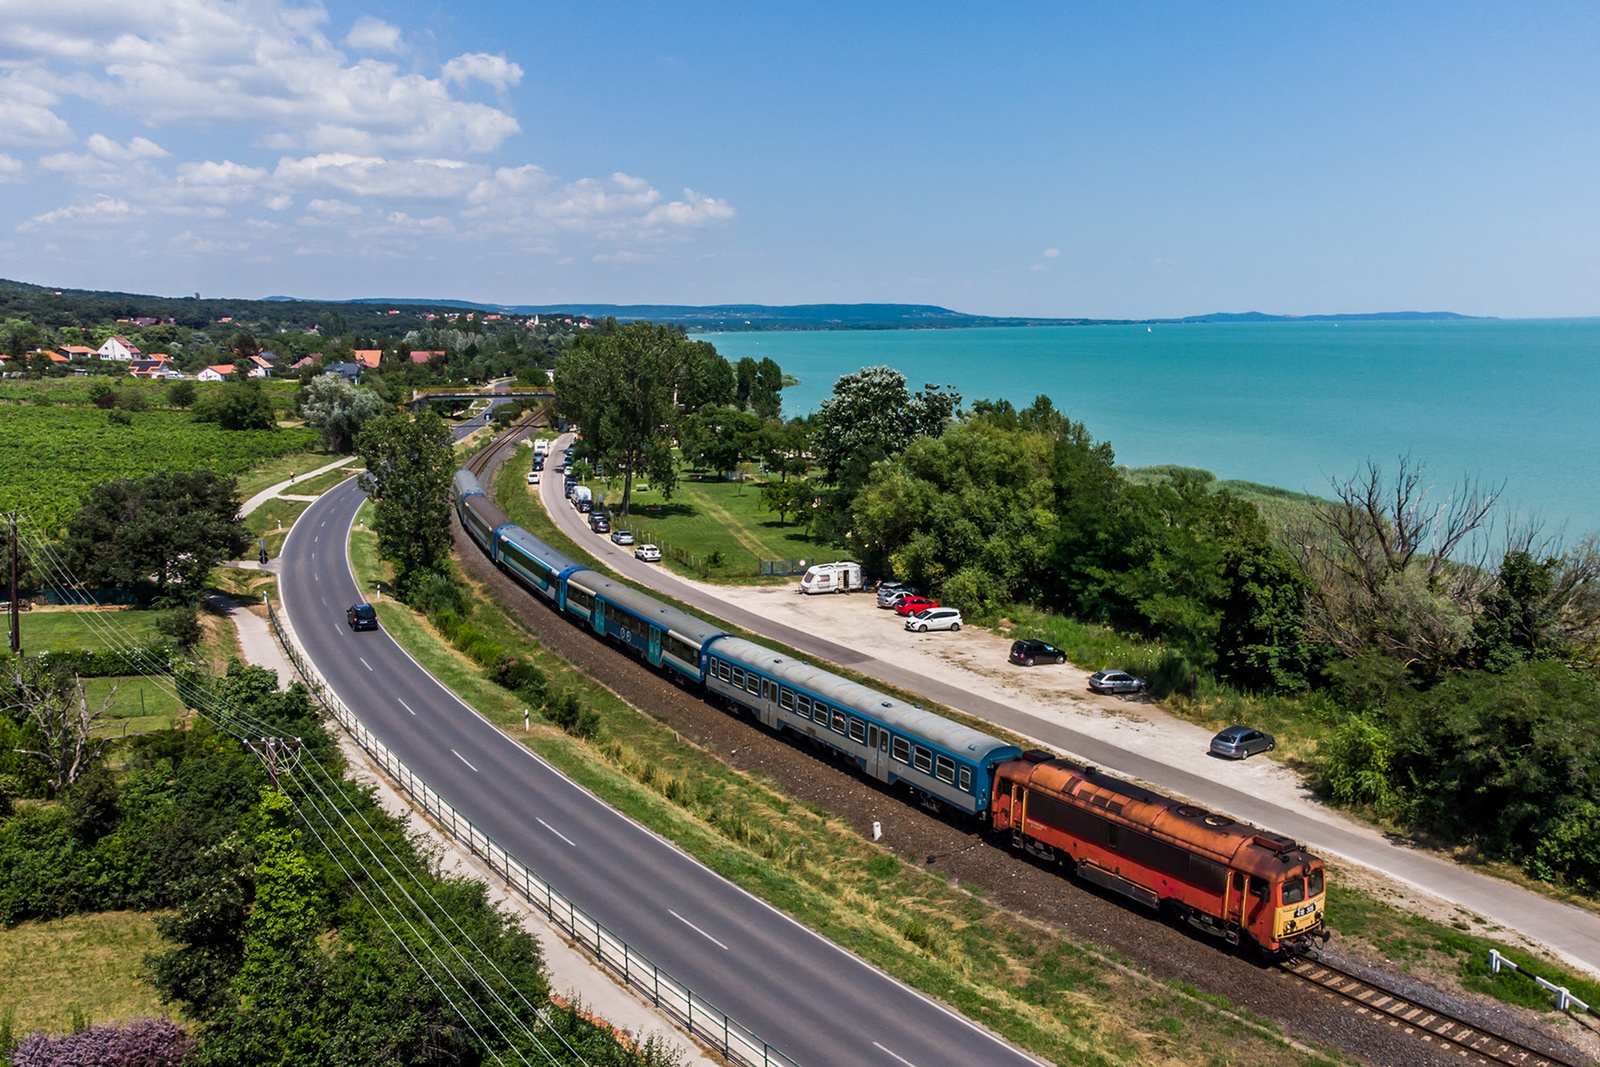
[[541, 447], [582, 499], [842, 577]]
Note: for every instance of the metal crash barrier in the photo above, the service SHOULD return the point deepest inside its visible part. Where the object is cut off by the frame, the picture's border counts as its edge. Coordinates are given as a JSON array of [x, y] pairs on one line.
[[1565, 1001], [703, 1020]]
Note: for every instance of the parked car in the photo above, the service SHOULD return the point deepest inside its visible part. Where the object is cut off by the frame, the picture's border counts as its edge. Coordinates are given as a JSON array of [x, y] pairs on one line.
[[538, 463], [622, 537], [1028, 652], [889, 598], [362, 617], [934, 619], [647, 553], [533, 477], [1241, 742], [598, 522], [570, 487], [1116, 682], [911, 604]]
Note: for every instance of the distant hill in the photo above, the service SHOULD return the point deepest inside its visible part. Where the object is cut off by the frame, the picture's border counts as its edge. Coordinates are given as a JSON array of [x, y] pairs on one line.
[[1376, 316]]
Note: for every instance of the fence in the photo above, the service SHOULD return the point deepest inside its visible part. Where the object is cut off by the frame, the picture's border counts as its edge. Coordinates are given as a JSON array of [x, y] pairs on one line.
[[1564, 998], [703, 1020], [782, 568]]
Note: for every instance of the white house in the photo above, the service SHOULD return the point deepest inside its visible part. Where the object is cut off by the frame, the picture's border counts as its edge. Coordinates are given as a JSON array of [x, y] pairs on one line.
[[216, 373], [119, 348]]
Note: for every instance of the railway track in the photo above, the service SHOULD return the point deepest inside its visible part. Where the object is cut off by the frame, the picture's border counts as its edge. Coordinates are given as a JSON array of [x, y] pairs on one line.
[[1427, 1024], [478, 462]]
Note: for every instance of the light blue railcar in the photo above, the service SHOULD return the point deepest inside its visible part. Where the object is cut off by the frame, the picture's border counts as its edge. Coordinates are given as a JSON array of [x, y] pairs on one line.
[[534, 563], [946, 763], [661, 635]]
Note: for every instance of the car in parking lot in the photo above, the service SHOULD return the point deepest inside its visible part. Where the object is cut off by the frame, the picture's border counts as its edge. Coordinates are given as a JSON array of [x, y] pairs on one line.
[[598, 522], [934, 619], [910, 605], [1030, 651], [622, 537], [1241, 742], [647, 553], [888, 598], [1116, 682], [533, 476], [362, 617]]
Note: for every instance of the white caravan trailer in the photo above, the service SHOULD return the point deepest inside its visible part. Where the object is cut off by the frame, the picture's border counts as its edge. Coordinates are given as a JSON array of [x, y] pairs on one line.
[[842, 577]]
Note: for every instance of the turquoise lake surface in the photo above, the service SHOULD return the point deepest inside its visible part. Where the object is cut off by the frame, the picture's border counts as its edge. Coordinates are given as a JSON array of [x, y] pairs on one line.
[[1285, 404]]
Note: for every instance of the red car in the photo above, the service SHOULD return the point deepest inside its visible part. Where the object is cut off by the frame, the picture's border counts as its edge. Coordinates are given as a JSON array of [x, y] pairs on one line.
[[910, 605]]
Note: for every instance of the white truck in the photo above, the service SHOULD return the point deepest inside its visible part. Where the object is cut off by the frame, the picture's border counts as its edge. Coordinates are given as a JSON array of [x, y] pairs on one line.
[[582, 499], [541, 447], [841, 577]]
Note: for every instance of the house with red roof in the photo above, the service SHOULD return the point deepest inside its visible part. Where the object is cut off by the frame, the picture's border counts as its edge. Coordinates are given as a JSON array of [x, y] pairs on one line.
[[419, 356], [369, 357], [120, 349], [215, 373]]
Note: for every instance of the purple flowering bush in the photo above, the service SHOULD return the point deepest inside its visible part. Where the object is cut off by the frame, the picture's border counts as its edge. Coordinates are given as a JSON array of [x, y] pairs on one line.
[[141, 1043]]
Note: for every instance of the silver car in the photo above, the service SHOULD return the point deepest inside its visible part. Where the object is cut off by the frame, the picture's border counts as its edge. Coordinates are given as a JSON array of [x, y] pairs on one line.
[[1116, 682], [1241, 742]]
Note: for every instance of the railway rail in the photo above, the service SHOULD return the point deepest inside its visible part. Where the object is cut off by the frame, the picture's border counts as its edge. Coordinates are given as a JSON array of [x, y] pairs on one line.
[[1428, 1024], [479, 462]]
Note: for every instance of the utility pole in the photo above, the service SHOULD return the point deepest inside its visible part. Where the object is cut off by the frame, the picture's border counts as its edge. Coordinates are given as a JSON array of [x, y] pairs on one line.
[[16, 609], [270, 745]]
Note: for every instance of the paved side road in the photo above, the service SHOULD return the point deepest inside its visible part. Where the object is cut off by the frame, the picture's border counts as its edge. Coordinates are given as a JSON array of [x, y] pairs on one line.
[[1569, 932], [805, 996]]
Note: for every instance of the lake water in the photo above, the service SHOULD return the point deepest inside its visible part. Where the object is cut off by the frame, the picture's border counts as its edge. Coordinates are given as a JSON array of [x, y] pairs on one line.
[[1285, 404]]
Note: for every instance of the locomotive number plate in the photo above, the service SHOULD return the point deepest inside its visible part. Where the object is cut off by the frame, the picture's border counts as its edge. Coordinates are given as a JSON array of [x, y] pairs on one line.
[[1307, 910]]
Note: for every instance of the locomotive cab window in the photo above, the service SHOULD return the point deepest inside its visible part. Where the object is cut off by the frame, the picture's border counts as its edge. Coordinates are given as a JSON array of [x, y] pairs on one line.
[[1294, 890], [922, 759], [1258, 887], [902, 750], [1314, 882], [858, 730]]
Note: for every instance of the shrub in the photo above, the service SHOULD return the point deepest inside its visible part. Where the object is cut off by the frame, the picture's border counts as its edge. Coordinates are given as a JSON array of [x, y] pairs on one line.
[[141, 1043], [1172, 673], [182, 626], [972, 591], [432, 593], [1357, 762]]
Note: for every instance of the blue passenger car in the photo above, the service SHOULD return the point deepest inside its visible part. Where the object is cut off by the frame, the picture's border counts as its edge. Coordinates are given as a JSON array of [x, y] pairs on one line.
[[946, 763], [534, 563], [661, 635]]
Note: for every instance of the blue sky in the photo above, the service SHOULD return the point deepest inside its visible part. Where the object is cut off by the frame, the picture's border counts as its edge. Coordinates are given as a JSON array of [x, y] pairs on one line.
[[1098, 160]]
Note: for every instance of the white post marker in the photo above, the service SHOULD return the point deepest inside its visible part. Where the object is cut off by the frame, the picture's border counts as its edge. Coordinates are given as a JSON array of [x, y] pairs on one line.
[[527, 721], [877, 829]]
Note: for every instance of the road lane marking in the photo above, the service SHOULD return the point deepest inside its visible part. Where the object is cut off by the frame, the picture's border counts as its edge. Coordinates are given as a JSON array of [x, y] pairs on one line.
[[403, 704], [553, 830], [463, 759], [317, 538], [324, 601], [902, 1059], [702, 933], [364, 662]]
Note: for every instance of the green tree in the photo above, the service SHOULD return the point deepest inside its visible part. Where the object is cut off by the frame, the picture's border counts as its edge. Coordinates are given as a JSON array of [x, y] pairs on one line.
[[337, 409], [168, 528], [238, 406], [719, 439], [744, 389], [710, 379], [181, 394], [871, 416], [1521, 614], [786, 498], [765, 400], [409, 466], [620, 388]]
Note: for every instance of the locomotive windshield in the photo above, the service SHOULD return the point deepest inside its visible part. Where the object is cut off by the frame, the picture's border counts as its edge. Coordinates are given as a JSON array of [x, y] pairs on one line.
[[1294, 890], [1315, 878]]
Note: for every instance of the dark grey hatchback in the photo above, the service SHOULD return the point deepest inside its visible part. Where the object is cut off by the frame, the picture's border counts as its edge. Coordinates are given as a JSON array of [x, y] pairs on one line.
[[362, 617], [1241, 742]]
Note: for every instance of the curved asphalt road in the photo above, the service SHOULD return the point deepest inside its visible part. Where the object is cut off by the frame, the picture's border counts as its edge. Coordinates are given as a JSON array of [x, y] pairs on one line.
[[817, 1003], [1572, 932]]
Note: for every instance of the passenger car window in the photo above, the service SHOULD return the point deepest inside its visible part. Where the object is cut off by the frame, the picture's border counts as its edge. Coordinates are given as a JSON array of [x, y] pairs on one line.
[[966, 779], [738, 677], [819, 712], [858, 730], [752, 684], [785, 700], [802, 704], [944, 769], [723, 670], [902, 750], [839, 721], [922, 759]]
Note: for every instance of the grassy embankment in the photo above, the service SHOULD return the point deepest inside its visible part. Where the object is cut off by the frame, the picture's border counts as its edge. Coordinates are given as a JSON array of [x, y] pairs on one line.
[[1064, 1002], [55, 976], [1454, 952]]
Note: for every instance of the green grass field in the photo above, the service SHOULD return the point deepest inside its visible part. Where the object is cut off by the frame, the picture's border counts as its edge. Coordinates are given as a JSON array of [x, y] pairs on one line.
[[275, 469], [704, 517], [81, 968], [323, 482], [45, 628]]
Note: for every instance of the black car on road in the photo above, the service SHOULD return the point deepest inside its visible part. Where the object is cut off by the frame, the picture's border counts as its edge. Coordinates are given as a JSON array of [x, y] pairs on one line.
[[362, 617], [1116, 682], [1027, 653]]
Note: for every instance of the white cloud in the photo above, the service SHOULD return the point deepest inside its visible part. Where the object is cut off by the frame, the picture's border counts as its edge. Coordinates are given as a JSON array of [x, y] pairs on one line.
[[376, 176], [261, 62], [10, 169], [138, 148], [225, 173], [104, 209], [375, 35], [332, 207], [692, 210], [494, 71], [279, 202], [1052, 253]]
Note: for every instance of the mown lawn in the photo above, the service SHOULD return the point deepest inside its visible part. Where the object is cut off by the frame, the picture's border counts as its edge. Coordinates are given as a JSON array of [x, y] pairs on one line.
[[84, 968], [46, 629]]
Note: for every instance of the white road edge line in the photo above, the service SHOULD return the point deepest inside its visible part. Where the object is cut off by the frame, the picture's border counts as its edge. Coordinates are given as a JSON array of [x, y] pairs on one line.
[[902, 1059], [553, 830], [693, 927], [364, 663], [403, 704], [464, 759]]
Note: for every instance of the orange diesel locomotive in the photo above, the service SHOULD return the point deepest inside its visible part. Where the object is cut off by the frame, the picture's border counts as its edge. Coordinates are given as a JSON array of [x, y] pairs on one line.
[[1224, 877]]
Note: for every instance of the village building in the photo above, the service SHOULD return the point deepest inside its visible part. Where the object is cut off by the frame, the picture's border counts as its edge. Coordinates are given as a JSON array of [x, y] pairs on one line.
[[215, 373], [120, 349]]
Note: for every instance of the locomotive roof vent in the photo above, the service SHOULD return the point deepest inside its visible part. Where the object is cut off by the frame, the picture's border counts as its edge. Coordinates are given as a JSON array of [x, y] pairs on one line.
[[1038, 755], [1218, 820], [1189, 811]]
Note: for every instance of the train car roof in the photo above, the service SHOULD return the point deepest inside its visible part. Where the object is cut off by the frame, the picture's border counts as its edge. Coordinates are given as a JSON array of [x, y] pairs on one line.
[[648, 607], [896, 714], [466, 482], [1238, 844], [530, 544]]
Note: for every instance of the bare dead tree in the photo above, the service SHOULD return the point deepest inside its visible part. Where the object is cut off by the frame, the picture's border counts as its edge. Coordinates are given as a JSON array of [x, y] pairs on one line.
[[1395, 569], [57, 708]]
